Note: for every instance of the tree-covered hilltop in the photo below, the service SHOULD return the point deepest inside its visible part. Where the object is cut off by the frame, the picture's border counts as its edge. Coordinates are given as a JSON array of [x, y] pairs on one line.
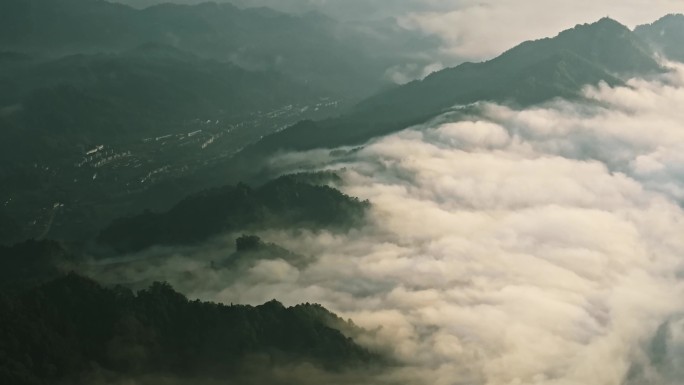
[[70, 328], [286, 202], [250, 249]]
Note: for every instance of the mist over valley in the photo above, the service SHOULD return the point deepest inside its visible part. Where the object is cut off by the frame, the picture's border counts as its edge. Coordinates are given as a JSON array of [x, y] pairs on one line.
[[336, 192]]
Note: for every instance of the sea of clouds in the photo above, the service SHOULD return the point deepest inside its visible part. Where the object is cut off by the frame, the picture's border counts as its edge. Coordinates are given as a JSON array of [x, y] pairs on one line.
[[535, 246]]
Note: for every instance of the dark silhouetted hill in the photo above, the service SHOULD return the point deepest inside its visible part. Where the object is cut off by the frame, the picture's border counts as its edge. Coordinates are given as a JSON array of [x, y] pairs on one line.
[[286, 202], [71, 329]]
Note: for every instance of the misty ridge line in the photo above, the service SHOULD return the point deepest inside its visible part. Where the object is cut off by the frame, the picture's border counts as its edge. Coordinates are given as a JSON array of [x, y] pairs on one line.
[[530, 73]]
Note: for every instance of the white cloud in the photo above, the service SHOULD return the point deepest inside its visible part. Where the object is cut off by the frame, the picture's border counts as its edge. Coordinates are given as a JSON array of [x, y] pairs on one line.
[[524, 247], [481, 29], [537, 246], [474, 29]]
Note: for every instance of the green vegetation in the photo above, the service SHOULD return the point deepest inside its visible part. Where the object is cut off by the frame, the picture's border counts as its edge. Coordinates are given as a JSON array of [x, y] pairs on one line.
[[250, 249], [72, 329], [286, 202]]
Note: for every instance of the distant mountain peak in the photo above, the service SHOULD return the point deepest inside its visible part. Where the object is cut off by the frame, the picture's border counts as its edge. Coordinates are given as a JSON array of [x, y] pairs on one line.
[[669, 18], [665, 36], [608, 21], [530, 73], [609, 44], [603, 25], [272, 305]]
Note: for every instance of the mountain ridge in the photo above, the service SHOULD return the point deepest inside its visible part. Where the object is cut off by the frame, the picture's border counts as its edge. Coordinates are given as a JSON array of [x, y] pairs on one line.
[[73, 330], [305, 47], [603, 49], [665, 36]]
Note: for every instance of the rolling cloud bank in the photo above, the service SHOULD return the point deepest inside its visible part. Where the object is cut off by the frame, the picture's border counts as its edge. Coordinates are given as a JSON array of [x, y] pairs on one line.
[[536, 246]]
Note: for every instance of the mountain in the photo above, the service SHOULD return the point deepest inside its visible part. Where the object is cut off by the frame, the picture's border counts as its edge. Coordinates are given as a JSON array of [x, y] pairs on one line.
[[77, 102], [531, 73], [665, 35], [308, 48], [73, 330], [286, 202], [250, 249]]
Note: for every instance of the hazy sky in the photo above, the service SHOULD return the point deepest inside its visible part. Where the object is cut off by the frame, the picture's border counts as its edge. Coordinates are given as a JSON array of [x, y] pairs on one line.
[[484, 28], [479, 29]]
